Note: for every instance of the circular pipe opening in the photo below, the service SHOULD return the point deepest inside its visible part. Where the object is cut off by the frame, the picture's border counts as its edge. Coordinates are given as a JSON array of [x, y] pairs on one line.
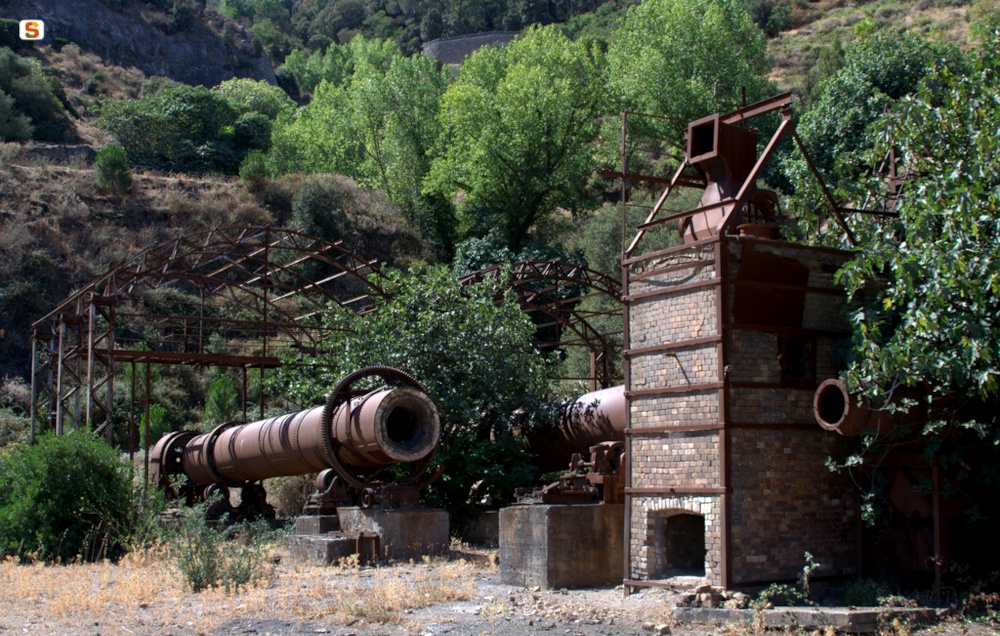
[[408, 427], [830, 404]]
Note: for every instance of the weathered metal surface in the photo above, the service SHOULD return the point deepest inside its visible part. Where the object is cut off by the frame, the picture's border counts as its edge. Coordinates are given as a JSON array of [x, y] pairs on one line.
[[837, 410], [352, 434], [595, 417]]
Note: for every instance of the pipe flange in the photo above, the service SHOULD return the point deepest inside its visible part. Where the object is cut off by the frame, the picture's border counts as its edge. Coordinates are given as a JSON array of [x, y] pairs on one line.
[[341, 394], [210, 454]]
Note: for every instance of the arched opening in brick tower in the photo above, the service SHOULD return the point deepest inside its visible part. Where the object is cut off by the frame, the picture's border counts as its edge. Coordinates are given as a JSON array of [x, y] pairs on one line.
[[677, 544]]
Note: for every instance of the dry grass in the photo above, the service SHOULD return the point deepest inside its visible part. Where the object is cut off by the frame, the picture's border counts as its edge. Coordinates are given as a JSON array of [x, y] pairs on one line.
[[794, 51], [143, 593]]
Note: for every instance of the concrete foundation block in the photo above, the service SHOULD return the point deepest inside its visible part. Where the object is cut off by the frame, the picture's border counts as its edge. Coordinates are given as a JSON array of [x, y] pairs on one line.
[[562, 546], [316, 524], [322, 548], [405, 532], [485, 530]]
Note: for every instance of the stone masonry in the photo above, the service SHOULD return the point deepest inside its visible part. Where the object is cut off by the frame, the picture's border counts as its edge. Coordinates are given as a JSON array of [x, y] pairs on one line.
[[728, 339]]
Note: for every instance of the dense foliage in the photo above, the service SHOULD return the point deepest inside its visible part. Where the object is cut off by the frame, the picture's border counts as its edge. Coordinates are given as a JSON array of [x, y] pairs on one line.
[[473, 356], [114, 174], [194, 129], [686, 59], [373, 117], [930, 322], [64, 498], [30, 107], [878, 71], [518, 124]]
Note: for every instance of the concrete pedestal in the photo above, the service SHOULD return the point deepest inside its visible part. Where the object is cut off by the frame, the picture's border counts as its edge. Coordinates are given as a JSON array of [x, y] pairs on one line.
[[323, 549], [562, 546], [316, 524], [485, 530], [405, 532]]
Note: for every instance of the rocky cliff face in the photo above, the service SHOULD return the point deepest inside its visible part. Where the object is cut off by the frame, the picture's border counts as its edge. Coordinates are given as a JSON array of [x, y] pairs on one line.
[[208, 50]]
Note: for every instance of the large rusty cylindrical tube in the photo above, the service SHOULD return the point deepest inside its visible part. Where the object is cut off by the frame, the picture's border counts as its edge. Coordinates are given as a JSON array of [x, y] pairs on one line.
[[835, 410], [380, 428], [595, 417]]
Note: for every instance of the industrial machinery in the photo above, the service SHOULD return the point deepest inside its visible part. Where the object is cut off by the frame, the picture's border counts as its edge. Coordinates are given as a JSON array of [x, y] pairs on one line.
[[592, 425], [349, 441]]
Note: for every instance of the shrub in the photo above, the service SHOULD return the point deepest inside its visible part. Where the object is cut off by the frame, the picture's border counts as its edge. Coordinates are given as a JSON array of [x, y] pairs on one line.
[[114, 174], [208, 557], [319, 208], [34, 96], [253, 171], [64, 498]]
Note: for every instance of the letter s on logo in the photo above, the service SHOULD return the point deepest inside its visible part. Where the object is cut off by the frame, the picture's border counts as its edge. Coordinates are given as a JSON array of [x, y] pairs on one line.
[[32, 29]]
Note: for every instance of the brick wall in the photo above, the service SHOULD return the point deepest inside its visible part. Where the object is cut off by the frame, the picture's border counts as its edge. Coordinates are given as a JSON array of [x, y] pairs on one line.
[[662, 520], [775, 499]]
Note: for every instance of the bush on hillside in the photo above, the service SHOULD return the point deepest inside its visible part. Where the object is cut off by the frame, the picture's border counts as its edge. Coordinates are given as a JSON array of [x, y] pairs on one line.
[[114, 174], [32, 96], [64, 498]]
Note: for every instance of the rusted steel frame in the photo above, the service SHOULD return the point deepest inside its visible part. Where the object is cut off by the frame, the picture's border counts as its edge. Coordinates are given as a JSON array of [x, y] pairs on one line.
[[656, 208], [525, 272], [673, 268], [34, 388], [672, 346], [826, 193], [723, 347], [685, 214], [778, 102], [627, 372], [255, 276], [711, 282], [208, 359], [805, 331], [774, 426], [750, 183], [588, 332], [672, 390], [785, 386], [146, 267], [667, 251], [689, 428], [676, 490], [831, 291], [689, 181], [319, 283], [223, 321], [145, 447]]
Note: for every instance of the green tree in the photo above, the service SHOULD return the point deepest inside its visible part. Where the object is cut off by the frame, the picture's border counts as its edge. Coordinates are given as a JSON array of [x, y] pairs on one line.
[[685, 58], [34, 97], [926, 286], [377, 126], [63, 498], [114, 174], [13, 125], [222, 402], [257, 96], [518, 124], [184, 128], [471, 353], [877, 71]]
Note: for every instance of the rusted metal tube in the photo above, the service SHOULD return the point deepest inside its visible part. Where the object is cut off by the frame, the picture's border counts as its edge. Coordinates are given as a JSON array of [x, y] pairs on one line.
[[380, 428], [835, 410], [595, 417]]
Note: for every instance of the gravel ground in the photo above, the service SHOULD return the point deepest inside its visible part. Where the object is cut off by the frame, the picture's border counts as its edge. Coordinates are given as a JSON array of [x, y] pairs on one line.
[[460, 596]]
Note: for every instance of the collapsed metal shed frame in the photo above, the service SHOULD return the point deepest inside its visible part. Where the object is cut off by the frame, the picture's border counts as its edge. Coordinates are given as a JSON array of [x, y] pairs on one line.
[[238, 297], [227, 297]]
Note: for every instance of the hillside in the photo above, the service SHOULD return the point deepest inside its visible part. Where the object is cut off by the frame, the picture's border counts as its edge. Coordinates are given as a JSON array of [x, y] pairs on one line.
[[812, 26], [195, 46]]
